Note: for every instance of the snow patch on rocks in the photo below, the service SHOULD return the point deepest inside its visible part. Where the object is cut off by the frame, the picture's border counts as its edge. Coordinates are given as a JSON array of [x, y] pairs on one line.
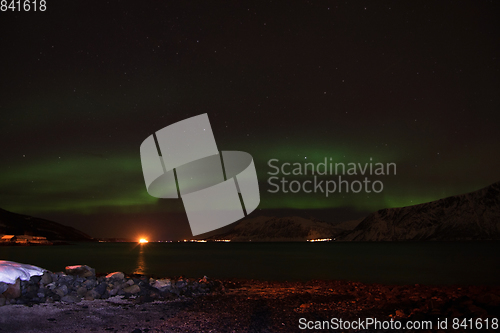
[[10, 271]]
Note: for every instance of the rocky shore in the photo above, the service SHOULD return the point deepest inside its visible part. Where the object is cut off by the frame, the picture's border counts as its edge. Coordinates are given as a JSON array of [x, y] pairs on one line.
[[81, 283], [79, 301]]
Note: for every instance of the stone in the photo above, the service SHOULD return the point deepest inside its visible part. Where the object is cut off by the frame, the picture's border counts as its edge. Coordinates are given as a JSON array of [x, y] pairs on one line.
[[162, 284], [114, 291], [30, 291], [80, 280], [91, 295], [13, 290], [3, 287], [134, 289], [66, 279], [80, 270], [2, 300], [81, 291], [116, 276], [46, 278], [43, 291], [180, 284], [89, 284], [62, 290], [36, 279], [71, 299], [51, 286], [101, 288]]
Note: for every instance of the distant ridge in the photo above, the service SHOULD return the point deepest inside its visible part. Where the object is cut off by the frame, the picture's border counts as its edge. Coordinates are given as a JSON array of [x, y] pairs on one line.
[[471, 216], [278, 229], [18, 224]]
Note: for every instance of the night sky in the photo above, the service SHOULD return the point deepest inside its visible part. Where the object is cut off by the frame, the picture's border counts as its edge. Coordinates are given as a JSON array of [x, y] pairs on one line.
[[85, 82]]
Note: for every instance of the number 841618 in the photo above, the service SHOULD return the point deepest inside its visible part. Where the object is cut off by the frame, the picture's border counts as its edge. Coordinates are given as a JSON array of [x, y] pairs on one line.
[[23, 5]]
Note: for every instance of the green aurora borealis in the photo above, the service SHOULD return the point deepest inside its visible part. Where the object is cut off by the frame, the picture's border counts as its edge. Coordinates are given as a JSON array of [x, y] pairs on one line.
[[87, 184]]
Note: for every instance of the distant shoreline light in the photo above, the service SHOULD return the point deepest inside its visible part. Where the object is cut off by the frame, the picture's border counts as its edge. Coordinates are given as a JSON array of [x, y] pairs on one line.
[[203, 240], [143, 241]]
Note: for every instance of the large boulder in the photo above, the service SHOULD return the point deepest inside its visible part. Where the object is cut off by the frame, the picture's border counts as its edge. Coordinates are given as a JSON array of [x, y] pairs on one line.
[[11, 274], [162, 284], [80, 270], [14, 290], [115, 276], [133, 289], [46, 278]]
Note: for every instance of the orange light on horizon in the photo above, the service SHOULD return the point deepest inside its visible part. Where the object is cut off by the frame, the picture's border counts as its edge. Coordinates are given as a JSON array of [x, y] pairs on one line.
[[143, 241]]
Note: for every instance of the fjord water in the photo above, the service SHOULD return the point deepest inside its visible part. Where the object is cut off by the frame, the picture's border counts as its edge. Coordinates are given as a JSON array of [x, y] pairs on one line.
[[466, 263]]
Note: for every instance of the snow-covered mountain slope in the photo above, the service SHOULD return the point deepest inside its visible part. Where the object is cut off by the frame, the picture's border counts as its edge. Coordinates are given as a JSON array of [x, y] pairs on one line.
[[471, 216]]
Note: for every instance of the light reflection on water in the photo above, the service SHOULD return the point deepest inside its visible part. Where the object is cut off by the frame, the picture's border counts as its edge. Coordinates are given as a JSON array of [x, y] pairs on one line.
[[141, 262]]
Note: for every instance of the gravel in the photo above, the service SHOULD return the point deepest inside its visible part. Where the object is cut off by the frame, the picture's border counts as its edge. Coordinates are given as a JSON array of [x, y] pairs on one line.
[[131, 303]]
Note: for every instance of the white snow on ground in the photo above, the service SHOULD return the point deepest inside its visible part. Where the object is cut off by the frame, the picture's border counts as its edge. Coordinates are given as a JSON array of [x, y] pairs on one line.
[[10, 271]]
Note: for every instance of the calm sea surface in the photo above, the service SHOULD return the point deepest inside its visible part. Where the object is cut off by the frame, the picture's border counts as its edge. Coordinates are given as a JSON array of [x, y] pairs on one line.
[[389, 263]]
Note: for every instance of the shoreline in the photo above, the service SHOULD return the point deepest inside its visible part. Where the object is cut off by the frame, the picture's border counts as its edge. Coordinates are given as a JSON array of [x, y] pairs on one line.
[[246, 305]]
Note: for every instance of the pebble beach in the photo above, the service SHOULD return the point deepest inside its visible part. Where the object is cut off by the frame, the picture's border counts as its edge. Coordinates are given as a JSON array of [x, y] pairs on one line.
[[78, 300]]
